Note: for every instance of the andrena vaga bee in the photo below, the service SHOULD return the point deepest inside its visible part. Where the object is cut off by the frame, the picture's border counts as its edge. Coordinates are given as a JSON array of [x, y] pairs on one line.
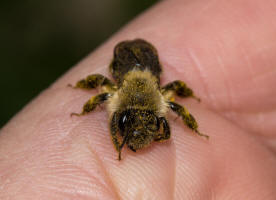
[[137, 104]]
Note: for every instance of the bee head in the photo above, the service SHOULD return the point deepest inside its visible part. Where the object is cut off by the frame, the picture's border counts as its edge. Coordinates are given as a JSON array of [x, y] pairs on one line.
[[139, 126]]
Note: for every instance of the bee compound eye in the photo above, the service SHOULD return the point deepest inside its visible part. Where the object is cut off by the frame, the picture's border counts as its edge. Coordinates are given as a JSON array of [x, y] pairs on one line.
[[123, 121]]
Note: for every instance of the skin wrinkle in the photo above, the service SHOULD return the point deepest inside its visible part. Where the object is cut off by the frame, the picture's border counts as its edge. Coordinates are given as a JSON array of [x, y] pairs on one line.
[[249, 66], [270, 143], [247, 120], [105, 184], [18, 189], [260, 119], [192, 146], [174, 173], [73, 129], [108, 179], [194, 182], [135, 169], [107, 175], [148, 170], [200, 69], [65, 177], [251, 111], [226, 82], [262, 76], [220, 54], [260, 50], [265, 58]]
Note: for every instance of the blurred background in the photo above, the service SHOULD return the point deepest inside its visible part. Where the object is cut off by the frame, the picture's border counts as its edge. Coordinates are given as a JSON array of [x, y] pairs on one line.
[[40, 40]]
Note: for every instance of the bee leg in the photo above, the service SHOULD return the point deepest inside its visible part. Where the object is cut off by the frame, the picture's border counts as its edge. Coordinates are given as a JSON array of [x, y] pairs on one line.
[[92, 103], [187, 118], [93, 81], [132, 149], [113, 131], [166, 133], [180, 89]]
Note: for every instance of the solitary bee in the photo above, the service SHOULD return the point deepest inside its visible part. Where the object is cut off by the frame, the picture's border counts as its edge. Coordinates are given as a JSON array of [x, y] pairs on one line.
[[137, 104]]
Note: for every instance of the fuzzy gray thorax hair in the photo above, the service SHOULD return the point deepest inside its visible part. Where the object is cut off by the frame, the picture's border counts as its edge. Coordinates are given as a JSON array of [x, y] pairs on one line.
[[140, 90]]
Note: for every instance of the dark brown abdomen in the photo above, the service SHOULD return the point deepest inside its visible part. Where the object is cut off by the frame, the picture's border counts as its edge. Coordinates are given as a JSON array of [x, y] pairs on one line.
[[134, 54]]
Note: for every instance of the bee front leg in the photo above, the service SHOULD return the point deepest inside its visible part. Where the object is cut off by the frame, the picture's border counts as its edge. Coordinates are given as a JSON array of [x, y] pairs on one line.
[[92, 103], [166, 133], [187, 118], [93, 81], [113, 131], [180, 89]]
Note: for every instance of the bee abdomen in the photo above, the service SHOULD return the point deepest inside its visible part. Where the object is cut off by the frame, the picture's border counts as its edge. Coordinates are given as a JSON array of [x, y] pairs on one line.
[[134, 55]]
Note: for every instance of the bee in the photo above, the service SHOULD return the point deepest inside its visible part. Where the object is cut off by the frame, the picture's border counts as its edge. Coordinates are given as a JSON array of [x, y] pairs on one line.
[[137, 104]]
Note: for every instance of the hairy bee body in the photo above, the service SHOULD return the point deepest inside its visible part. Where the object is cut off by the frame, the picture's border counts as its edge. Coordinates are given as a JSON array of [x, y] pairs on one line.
[[139, 90], [137, 104]]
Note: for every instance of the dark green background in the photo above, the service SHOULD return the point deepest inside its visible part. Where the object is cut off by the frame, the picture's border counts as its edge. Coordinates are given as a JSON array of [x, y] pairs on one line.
[[40, 40]]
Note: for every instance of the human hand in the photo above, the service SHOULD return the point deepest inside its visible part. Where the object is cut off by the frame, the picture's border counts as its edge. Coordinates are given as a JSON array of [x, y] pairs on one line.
[[224, 51]]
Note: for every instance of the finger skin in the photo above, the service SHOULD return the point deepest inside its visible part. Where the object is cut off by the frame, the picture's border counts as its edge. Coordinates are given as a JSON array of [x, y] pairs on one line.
[[223, 51]]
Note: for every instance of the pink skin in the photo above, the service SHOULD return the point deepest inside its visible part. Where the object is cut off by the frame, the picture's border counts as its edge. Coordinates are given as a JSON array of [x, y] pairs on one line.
[[225, 51]]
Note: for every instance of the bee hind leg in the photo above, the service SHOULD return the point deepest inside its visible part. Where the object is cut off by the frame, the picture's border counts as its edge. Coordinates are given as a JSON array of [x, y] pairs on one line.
[[187, 118], [166, 133], [180, 89], [114, 136]]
